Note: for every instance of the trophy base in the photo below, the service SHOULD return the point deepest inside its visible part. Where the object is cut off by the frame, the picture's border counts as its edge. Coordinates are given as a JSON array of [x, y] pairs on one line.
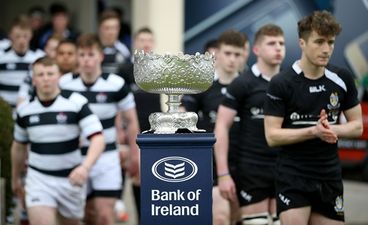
[[170, 123]]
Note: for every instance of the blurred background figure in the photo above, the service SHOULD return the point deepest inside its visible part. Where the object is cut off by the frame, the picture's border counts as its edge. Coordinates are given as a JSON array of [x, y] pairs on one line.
[[51, 45], [59, 25], [37, 19], [66, 56], [229, 59], [115, 52], [146, 103], [16, 60], [125, 34]]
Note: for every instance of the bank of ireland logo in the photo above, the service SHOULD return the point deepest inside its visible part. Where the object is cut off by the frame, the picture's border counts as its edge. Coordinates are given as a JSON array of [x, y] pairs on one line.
[[174, 169]]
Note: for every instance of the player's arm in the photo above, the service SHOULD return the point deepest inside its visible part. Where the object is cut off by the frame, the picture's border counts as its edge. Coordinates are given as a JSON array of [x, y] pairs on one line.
[[224, 121], [131, 120], [278, 136], [353, 127], [18, 159]]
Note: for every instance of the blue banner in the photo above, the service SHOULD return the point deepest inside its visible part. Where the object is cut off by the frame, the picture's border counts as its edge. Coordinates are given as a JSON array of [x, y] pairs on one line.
[[176, 179]]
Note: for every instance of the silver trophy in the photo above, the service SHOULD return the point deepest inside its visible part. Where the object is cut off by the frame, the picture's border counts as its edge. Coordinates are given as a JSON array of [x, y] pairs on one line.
[[173, 75]]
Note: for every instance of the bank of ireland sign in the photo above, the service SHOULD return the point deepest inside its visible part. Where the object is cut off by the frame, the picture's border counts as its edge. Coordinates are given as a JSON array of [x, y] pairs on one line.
[[174, 169]]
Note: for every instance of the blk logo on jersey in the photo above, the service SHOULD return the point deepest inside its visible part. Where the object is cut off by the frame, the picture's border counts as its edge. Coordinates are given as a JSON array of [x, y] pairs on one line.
[[316, 89], [284, 199], [246, 196]]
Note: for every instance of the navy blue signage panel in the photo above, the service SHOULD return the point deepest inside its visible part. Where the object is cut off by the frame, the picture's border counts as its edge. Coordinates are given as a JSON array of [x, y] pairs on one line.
[[176, 178]]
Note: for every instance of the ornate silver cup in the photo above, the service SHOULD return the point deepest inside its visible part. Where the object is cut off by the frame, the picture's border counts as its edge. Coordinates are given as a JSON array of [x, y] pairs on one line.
[[173, 75]]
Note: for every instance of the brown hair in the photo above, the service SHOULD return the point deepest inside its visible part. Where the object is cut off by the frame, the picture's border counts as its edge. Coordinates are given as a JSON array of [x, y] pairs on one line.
[[268, 30], [322, 22], [89, 41], [142, 30], [108, 14], [22, 22], [232, 37], [46, 61]]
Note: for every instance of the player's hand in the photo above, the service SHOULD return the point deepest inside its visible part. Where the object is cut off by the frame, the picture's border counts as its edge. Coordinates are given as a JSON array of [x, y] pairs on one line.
[[227, 187], [18, 188], [79, 175], [133, 167], [323, 129]]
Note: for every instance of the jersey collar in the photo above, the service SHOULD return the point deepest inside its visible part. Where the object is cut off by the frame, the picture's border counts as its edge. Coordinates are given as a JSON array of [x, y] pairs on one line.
[[297, 68], [257, 72]]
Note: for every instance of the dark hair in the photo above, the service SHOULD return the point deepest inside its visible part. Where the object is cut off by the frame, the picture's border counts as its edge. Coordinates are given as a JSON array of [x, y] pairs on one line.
[[88, 41], [142, 30], [268, 30], [210, 44], [37, 11], [46, 61], [22, 22], [67, 41], [108, 14], [322, 22], [232, 37], [57, 8]]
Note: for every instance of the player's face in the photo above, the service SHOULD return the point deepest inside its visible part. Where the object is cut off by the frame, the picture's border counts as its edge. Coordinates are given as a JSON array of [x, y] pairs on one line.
[[45, 79], [229, 58], [109, 31], [50, 48], [270, 49], [20, 39], [66, 57], [89, 59], [144, 41], [317, 49]]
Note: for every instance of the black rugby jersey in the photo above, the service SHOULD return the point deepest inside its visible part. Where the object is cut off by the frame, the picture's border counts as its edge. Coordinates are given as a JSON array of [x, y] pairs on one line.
[[246, 94], [207, 103], [299, 101]]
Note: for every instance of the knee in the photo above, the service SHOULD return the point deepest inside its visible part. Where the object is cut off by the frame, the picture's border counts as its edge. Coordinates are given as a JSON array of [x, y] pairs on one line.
[[105, 218]]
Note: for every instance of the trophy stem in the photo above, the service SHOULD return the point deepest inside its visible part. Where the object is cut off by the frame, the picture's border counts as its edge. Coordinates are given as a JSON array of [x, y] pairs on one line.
[[173, 103]]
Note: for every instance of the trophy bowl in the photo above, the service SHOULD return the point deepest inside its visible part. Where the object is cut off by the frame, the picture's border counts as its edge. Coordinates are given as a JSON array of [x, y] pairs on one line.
[[173, 75]]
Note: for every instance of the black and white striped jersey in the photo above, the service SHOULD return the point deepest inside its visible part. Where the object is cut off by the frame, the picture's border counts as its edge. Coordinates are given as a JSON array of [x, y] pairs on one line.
[[54, 131], [114, 57], [246, 94], [14, 68], [4, 44], [299, 101], [109, 95]]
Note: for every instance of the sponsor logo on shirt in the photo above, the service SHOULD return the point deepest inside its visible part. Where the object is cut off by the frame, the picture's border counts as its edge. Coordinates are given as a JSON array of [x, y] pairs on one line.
[[34, 119], [61, 117], [101, 97], [246, 196], [284, 199], [316, 89], [11, 66]]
